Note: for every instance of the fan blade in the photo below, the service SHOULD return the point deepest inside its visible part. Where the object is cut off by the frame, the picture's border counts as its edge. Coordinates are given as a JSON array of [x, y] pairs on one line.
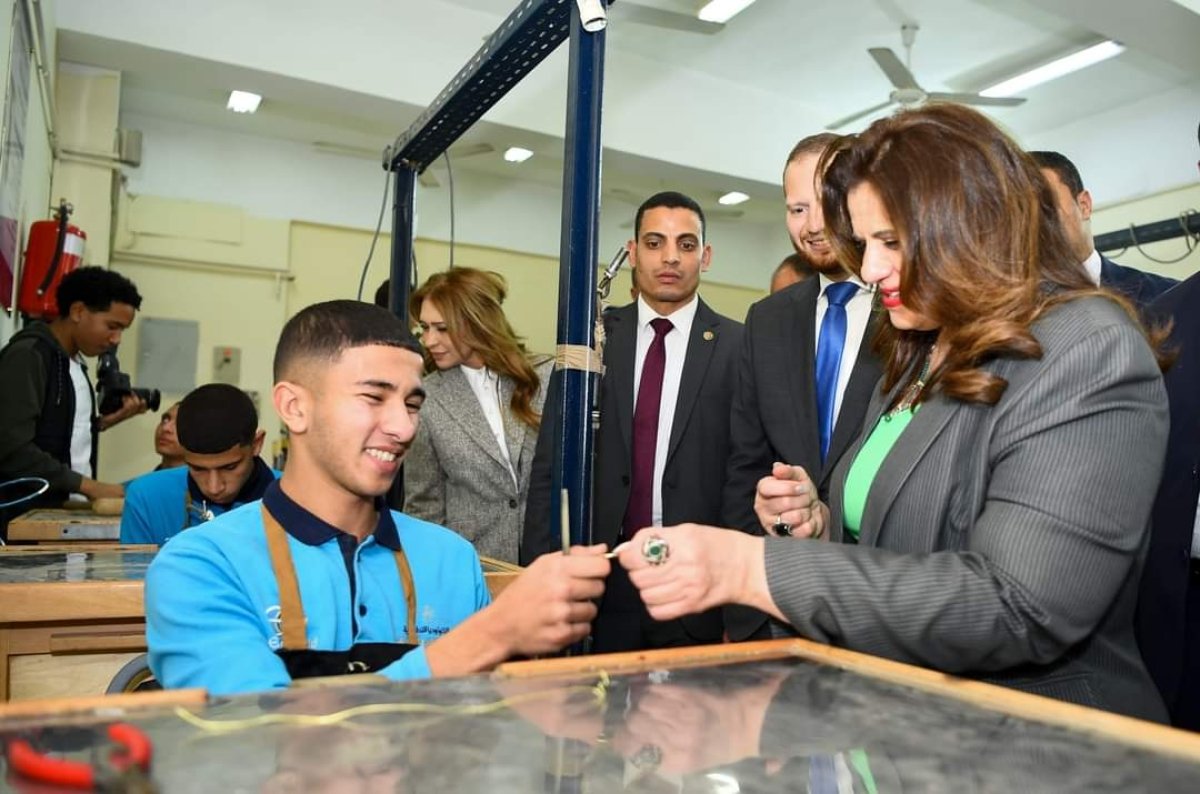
[[976, 99], [856, 116], [672, 20], [626, 195], [892, 66], [470, 150], [427, 179]]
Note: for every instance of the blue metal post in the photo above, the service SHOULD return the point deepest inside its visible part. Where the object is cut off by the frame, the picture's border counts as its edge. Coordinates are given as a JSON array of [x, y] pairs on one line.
[[404, 202], [577, 274], [403, 230]]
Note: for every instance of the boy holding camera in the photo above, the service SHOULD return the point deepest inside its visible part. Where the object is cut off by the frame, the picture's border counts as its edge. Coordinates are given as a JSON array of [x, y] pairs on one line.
[[48, 419]]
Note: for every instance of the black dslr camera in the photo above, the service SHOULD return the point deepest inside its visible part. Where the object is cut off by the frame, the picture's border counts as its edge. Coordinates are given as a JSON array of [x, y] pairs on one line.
[[113, 385]]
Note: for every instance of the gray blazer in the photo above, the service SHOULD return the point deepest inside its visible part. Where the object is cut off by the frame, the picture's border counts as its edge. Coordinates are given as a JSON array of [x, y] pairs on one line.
[[454, 474], [1006, 542]]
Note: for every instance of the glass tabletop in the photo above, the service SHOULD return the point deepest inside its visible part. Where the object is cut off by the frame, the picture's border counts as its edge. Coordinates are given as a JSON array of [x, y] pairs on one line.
[[74, 566], [756, 726]]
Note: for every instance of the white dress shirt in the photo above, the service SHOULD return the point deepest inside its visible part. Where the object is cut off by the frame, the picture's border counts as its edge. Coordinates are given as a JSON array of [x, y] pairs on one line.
[[486, 385], [675, 343], [1092, 266], [858, 314]]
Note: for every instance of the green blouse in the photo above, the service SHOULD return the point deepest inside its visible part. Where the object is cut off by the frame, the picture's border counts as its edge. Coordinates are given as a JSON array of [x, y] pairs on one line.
[[866, 465]]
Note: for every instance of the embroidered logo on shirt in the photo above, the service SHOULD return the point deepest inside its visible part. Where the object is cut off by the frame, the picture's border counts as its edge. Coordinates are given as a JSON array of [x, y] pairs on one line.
[[275, 622]]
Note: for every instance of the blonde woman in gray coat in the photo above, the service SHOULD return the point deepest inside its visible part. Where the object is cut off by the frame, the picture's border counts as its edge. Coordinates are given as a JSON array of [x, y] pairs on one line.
[[469, 465]]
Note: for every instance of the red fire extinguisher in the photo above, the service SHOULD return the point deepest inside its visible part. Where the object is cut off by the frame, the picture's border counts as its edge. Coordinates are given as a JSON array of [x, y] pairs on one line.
[[55, 249]]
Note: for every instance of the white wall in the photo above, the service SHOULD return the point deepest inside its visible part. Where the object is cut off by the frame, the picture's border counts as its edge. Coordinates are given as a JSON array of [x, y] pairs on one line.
[[35, 177], [274, 178]]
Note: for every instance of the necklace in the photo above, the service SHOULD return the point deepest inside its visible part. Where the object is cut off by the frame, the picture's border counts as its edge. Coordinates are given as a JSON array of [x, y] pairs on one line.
[[909, 398]]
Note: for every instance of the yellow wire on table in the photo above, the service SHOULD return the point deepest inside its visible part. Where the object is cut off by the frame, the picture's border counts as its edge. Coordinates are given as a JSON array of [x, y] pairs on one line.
[[598, 690]]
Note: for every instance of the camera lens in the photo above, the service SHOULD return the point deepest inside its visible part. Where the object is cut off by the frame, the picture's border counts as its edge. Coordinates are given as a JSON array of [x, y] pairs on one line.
[[153, 397]]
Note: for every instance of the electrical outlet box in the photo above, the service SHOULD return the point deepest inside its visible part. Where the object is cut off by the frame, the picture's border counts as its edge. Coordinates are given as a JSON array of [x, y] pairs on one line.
[[227, 365]]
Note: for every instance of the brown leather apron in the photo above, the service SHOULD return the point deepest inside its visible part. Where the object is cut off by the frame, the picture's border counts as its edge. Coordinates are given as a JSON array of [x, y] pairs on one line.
[[303, 662]]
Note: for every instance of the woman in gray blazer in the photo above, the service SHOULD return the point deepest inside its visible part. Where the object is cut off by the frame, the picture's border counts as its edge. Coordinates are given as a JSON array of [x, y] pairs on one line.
[[991, 520], [469, 465]]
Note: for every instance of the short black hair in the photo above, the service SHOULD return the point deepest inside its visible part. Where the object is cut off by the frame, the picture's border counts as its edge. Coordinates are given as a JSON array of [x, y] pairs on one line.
[[383, 295], [798, 264], [324, 330], [98, 288], [215, 418], [1059, 164], [672, 201]]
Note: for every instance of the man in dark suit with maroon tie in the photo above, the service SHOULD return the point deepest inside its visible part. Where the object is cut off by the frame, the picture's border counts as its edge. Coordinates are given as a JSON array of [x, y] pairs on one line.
[[660, 451]]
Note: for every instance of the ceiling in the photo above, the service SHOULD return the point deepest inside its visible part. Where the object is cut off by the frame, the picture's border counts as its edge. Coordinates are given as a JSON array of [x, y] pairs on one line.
[[701, 113]]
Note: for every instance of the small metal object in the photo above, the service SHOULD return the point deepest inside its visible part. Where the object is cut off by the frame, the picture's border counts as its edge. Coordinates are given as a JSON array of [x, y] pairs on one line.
[[782, 528], [648, 758], [709, 336], [655, 550]]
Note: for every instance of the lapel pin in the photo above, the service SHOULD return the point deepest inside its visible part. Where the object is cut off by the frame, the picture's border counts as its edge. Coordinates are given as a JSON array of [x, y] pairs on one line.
[[708, 336]]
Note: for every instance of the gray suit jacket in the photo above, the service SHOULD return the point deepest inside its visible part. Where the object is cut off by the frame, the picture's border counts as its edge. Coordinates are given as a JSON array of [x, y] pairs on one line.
[[454, 474], [1006, 542]]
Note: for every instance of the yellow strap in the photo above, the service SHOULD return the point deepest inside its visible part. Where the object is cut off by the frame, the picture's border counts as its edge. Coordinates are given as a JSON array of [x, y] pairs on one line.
[[292, 618], [291, 609]]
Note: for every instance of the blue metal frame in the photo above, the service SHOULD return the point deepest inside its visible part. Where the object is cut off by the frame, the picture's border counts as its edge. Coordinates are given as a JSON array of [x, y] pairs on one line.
[[577, 276], [523, 40]]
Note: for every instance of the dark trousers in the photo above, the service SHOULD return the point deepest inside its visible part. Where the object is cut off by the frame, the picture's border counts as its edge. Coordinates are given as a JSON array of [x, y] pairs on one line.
[[623, 623], [1186, 713]]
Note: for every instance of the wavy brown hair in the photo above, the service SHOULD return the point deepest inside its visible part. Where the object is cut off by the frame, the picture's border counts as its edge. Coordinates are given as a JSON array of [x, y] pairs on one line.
[[470, 302], [983, 252]]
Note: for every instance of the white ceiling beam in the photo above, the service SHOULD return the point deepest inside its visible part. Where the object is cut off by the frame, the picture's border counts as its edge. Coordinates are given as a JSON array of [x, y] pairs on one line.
[[1163, 29]]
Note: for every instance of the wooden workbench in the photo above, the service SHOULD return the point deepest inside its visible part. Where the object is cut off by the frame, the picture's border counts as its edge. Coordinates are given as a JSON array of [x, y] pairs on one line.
[[48, 525], [72, 614]]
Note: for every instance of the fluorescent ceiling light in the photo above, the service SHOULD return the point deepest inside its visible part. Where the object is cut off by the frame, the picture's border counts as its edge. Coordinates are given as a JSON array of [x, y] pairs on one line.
[[515, 154], [1055, 69], [733, 197], [243, 102], [722, 10]]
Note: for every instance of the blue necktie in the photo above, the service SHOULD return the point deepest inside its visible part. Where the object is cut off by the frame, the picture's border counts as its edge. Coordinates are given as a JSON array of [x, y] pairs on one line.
[[829, 356]]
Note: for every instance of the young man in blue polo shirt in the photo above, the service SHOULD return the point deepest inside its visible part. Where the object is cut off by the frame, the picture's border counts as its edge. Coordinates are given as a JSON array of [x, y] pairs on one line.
[[320, 578], [217, 426]]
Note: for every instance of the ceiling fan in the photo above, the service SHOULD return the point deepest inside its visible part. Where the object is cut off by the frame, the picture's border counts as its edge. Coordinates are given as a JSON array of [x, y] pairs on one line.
[[906, 91], [426, 177], [629, 197], [661, 18]]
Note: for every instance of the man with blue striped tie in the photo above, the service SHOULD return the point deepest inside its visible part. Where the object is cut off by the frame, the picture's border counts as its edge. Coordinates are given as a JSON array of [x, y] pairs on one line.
[[807, 370]]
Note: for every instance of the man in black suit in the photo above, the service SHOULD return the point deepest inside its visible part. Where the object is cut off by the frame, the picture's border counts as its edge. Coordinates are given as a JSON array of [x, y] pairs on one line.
[[1075, 211], [1168, 612], [657, 462], [1168, 616], [780, 412]]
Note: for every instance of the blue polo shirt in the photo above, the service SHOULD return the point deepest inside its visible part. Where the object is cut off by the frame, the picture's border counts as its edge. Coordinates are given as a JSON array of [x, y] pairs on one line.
[[212, 602], [156, 506]]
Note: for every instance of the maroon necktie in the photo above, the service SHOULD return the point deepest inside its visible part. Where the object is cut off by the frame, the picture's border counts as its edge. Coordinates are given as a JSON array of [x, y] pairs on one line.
[[640, 512]]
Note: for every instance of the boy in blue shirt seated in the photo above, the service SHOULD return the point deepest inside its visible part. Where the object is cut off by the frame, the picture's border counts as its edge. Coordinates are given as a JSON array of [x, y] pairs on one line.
[[217, 426], [319, 577]]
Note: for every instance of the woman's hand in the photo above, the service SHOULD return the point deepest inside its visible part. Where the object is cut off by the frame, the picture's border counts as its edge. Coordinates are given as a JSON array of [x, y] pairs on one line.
[[689, 568], [786, 504]]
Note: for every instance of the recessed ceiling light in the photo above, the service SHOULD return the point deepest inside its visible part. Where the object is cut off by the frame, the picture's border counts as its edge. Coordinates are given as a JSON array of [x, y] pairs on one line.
[[733, 197], [515, 154], [243, 102], [722, 10], [1055, 69]]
